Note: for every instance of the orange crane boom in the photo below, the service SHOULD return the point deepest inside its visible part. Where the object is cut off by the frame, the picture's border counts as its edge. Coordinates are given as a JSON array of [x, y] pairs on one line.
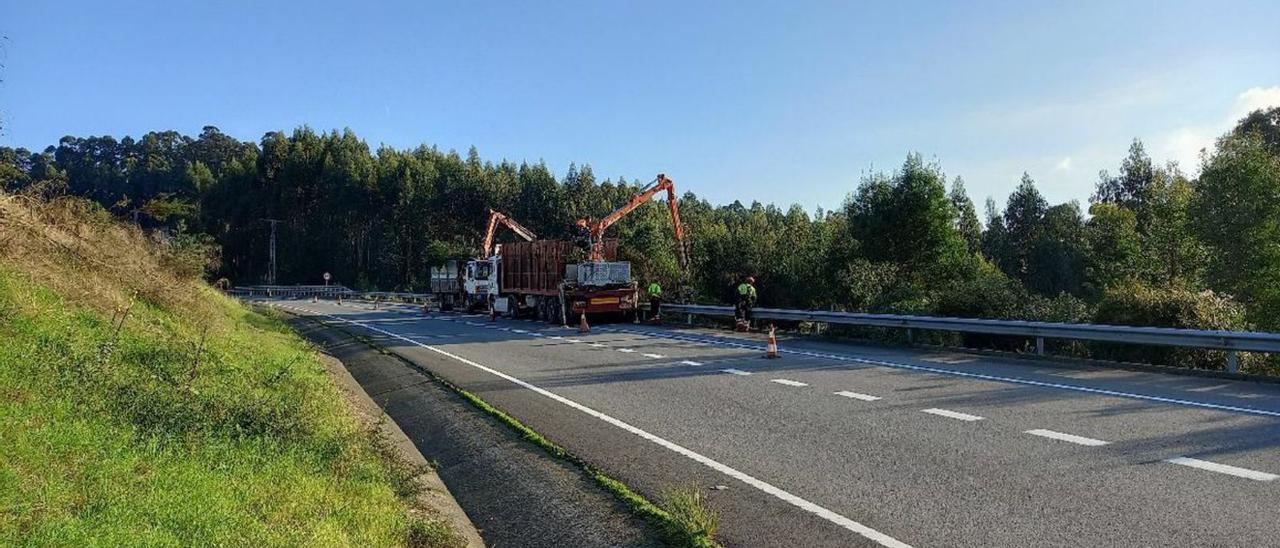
[[496, 217], [596, 229]]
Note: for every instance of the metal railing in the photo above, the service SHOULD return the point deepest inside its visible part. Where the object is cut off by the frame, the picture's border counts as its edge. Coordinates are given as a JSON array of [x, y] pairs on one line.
[[325, 291], [1230, 341]]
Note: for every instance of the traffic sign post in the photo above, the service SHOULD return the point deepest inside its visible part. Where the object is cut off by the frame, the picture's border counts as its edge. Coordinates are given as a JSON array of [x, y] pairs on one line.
[[326, 279]]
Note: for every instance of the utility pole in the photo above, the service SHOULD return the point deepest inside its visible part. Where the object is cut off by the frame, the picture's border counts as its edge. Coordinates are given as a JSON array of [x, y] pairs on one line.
[[271, 273]]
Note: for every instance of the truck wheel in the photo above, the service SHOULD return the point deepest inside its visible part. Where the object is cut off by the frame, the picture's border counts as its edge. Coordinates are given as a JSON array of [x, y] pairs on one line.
[[553, 310]]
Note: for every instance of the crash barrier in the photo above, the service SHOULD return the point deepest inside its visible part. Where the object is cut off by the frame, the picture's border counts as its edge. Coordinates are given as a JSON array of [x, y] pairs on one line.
[[326, 292], [1230, 341]]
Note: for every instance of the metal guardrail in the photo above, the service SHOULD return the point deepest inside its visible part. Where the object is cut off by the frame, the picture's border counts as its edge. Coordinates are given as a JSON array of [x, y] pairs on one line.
[[1230, 341], [325, 291]]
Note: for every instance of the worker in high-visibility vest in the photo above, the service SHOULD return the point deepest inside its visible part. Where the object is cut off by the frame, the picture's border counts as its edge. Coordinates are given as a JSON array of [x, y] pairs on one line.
[[746, 301], [655, 300]]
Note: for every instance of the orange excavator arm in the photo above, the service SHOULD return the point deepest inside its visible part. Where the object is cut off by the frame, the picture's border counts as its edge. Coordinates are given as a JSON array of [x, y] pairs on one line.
[[495, 218], [596, 229]]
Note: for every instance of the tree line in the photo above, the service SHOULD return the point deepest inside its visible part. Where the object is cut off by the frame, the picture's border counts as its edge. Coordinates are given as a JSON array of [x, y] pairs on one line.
[[1152, 247]]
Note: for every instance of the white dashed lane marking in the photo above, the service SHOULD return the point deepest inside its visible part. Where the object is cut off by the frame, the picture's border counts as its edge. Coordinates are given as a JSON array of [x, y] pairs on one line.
[[952, 414], [654, 356], [788, 382], [1223, 469], [857, 396], [626, 350], [691, 362], [1070, 438], [597, 345], [735, 371]]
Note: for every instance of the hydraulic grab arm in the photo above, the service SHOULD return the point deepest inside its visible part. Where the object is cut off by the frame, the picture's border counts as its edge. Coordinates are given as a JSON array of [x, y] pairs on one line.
[[596, 229], [496, 217]]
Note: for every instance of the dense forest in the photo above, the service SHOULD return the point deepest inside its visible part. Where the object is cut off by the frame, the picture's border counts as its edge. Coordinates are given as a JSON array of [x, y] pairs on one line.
[[1153, 246]]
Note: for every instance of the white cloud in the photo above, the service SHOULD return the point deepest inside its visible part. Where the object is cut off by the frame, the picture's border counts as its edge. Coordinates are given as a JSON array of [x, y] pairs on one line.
[[1184, 144], [1256, 98], [1064, 164]]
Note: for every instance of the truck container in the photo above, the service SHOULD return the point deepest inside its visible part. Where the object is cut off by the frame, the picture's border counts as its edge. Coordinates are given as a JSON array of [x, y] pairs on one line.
[[540, 278]]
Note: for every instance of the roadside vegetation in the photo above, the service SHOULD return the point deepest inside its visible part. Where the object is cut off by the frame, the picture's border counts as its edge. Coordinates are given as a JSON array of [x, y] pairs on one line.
[[138, 406], [1154, 245]]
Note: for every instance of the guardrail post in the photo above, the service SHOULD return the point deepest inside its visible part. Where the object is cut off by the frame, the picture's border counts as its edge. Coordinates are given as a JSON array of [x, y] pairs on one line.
[[910, 336], [1039, 346], [688, 319], [1233, 362]]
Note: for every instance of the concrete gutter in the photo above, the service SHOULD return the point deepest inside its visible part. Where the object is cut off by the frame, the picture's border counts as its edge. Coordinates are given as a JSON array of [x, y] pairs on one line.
[[434, 495]]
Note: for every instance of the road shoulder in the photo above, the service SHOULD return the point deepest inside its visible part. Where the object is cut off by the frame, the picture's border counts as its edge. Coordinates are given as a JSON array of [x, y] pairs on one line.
[[512, 491]]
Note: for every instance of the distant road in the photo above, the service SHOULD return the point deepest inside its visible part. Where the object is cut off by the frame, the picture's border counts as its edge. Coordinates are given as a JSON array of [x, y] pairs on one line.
[[849, 445]]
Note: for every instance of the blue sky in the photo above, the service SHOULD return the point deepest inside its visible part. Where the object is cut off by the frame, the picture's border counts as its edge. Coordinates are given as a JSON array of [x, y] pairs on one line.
[[784, 102]]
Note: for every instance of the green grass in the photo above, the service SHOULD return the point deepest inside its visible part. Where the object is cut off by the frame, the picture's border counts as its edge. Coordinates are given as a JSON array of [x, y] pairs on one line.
[[685, 518], [146, 436]]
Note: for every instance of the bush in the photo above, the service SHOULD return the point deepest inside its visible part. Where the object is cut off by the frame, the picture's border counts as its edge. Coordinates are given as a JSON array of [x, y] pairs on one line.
[[1143, 305]]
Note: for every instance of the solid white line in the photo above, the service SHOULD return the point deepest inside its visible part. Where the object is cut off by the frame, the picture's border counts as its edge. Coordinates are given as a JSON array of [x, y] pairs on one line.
[[1072, 438], [968, 375], [952, 414], [736, 371], [788, 382], [654, 356], [1223, 469], [860, 529], [691, 362], [626, 350], [857, 396]]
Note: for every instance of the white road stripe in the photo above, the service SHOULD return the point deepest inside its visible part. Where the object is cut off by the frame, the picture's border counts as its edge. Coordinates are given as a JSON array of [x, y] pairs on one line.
[[691, 362], [862, 530], [556, 338], [597, 345], [735, 371], [1223, 469], [535, 334], [626, 350], [1071, 438], [857, 396], [788, 382], [952, 414], [518, 331], [573, 340], [654, 356], [969, 375]]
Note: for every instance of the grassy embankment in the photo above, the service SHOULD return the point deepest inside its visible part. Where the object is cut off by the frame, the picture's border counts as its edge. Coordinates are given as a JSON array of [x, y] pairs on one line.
[[138, 406]]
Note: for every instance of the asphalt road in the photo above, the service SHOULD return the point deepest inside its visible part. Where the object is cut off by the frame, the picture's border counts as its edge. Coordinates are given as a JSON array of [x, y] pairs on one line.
[[849, 445]]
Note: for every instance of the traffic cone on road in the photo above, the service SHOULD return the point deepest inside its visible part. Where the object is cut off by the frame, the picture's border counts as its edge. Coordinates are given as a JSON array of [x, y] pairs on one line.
[[771, 351], [313, 298], [339, 299], [582, 324]]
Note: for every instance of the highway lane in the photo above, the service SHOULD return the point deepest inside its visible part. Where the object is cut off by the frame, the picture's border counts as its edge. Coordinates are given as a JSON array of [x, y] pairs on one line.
[[869, 453]]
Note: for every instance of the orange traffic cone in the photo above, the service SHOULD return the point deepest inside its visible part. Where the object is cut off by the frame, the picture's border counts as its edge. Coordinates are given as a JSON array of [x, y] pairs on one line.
[[582, 324], [771, 351]]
